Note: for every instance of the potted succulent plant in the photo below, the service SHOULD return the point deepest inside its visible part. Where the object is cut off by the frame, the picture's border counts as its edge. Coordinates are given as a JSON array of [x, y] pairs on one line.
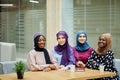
[[20, 68]]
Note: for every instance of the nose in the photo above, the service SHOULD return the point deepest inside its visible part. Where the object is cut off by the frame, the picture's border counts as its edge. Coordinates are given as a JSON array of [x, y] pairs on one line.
[[42, 41], [60, 39], [100, 40]]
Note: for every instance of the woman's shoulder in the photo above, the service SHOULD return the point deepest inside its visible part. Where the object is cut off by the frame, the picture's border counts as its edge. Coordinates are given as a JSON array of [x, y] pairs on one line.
[[53, 51], [32, 51], [73, 47], [110, 52], [91, 49], [93, 52]]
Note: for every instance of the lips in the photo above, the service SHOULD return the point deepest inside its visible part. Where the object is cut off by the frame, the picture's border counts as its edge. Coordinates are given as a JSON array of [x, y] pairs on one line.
[[101, 44], [42, 45]]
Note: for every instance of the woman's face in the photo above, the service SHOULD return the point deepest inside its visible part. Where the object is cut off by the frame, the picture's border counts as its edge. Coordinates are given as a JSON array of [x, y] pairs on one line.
[[61, 40], [41, 42], [102, 42], [82, 38]]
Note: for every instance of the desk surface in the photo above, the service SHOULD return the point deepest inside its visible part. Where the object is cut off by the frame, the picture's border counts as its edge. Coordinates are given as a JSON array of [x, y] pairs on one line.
[[58, 75]]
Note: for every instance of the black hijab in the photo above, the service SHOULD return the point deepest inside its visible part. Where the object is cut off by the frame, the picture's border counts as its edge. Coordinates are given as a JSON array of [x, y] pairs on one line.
[[37, 48]]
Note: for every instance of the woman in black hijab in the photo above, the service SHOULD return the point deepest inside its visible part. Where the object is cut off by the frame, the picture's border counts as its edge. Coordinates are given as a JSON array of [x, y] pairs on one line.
[[39, 58]]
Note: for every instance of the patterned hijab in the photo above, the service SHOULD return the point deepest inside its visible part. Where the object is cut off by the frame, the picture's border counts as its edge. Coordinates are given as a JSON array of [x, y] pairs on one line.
[[63, 50], [37, 48], [103, 51], [81, 46]]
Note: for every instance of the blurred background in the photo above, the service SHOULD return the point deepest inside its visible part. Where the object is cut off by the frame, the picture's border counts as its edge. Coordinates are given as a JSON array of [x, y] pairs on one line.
[[20, 19]]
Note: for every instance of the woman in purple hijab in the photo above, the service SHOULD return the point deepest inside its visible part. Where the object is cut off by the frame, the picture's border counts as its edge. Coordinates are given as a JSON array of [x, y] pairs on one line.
[[63, 52]]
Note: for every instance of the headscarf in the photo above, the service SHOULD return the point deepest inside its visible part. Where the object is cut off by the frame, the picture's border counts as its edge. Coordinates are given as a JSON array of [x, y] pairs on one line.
[[37, 48], [63, 50], [81, 46], [108, 38]]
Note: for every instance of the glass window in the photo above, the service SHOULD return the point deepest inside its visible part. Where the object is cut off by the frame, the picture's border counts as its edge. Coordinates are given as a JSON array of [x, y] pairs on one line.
[[94, 16], [19, 20]]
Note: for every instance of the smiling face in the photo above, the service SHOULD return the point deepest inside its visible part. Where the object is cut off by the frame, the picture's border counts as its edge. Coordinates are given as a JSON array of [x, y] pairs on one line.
[[82, 38], [41, 42], [102, 42], [61, 40]]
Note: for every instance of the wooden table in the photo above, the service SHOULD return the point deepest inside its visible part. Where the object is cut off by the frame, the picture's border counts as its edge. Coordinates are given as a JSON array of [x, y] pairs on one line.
[[58, 75]]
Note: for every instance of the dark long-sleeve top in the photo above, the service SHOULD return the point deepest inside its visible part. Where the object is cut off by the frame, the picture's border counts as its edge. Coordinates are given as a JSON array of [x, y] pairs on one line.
[[107, 60]]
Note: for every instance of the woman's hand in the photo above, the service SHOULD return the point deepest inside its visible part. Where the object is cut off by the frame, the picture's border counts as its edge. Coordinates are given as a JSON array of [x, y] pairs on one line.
[[61, 66], [52, 66], [47, 69], [64, 68], [80, 64], [93, 62]]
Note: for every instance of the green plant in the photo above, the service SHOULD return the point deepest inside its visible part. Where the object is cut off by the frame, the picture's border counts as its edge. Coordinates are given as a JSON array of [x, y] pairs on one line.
[[20, 67]]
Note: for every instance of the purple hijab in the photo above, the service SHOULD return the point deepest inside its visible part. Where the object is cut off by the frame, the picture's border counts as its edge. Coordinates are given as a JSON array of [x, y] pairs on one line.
[[63, 50]]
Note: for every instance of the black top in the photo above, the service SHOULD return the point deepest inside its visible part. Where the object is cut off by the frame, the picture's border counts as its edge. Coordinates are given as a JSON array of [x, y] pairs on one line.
[[106, 60]]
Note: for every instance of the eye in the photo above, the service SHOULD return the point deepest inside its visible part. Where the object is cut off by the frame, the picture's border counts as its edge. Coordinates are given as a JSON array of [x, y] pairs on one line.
[[102, 40], [80, 36], [84, 36], [63, 37]]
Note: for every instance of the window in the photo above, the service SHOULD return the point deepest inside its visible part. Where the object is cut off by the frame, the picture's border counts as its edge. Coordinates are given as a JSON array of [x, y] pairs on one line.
[[94, 16], [20, 19]]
